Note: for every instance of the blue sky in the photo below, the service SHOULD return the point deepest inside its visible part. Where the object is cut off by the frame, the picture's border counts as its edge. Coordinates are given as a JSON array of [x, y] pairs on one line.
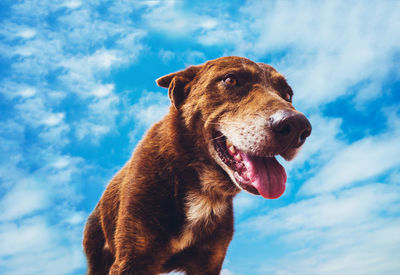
[[77, 92]]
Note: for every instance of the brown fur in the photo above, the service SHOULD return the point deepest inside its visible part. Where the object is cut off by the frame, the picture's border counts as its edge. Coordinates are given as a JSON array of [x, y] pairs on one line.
[[170, 206]]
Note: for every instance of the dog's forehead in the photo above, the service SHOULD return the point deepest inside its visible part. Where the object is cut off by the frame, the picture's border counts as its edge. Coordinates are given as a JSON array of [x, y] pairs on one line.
[[226, 64]]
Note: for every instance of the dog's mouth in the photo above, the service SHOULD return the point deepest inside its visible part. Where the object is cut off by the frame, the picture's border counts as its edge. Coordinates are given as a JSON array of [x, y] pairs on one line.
[[258, 175]]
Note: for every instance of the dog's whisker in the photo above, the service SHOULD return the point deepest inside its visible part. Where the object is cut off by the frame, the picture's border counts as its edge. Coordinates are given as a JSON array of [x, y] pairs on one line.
[[218, 137]]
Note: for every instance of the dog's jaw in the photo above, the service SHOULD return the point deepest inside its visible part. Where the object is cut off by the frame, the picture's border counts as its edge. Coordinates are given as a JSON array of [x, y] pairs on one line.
[[224, 166], [259, 175]]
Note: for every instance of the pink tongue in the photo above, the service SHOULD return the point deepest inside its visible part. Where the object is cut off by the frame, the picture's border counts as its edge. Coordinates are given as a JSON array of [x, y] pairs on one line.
[[266, 175]]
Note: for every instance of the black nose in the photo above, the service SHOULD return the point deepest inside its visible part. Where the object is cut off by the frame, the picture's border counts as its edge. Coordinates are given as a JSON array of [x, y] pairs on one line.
[[290, 128]]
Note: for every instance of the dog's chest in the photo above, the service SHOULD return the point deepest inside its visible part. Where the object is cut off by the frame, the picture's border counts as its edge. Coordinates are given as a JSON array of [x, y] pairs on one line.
[[202, 217]]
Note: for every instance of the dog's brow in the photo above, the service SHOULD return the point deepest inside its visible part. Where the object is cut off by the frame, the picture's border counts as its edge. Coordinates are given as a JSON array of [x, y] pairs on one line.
[[243, 68], [251, 69], [277, 76]]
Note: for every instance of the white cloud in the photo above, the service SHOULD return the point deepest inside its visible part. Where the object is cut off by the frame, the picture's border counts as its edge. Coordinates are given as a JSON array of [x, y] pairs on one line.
[[245, 202], [23, 199], [349, 208], [28, 237], [188, 58], [31, 235], [33, 241], [172, 18], [216, 29], [38, 221], [12, 90], [331, 46], [61, 162], [167, 16], [194, 57], [34, 229], [369, 251], [56, 135], [103, 112], [72, 4], [166, 55], [95, 131], [362, 160], [34, 113], [150, 108], [27, 33], [76, 218], [81, 72], [27, 92], [352, 232], [103, 90], [76, 52], [53, 119]]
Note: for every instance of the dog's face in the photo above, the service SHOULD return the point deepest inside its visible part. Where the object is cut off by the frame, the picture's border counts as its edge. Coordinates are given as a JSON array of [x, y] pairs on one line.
[[244, 113]]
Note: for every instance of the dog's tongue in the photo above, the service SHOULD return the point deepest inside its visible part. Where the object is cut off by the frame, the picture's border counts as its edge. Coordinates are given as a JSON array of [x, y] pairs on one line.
[[266, 175]]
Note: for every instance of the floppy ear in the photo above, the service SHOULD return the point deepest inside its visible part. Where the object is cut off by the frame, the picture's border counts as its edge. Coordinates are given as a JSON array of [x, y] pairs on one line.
[[177, 84]]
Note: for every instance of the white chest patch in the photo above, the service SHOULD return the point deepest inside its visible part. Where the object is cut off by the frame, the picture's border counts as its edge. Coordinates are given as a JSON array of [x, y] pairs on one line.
[[200, 211]]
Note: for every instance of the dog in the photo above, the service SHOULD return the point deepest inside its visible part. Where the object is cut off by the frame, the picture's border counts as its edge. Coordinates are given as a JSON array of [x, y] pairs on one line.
[[170, 207]]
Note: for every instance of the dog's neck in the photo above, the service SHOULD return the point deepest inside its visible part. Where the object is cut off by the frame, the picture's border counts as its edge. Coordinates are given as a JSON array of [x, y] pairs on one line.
[[189, 151]]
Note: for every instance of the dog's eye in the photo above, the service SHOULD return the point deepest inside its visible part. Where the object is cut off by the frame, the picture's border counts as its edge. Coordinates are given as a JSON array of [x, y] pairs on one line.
[[230, 81], [288, 97]]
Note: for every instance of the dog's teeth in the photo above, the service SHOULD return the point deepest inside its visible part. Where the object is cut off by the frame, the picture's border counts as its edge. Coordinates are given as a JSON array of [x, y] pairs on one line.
[[232, 149], [238, 175], [248, 175], [238, 157], [228, 143]]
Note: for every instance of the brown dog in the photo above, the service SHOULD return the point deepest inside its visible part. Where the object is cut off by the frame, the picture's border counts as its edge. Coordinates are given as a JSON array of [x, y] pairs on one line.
[[170, 207]]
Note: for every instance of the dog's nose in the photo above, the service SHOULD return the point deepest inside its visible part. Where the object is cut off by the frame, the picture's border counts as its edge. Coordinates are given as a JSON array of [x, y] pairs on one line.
[[291, 128]]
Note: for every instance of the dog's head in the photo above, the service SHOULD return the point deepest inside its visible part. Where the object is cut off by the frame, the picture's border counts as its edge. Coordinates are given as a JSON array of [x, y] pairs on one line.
[[243, 111]]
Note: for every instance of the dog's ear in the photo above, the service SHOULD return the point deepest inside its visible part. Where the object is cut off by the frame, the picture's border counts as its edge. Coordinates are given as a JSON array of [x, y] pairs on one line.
[[177, 84]]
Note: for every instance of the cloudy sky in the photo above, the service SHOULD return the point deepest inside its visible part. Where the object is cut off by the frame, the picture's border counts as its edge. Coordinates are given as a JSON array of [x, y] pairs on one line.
[[77, 92]]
